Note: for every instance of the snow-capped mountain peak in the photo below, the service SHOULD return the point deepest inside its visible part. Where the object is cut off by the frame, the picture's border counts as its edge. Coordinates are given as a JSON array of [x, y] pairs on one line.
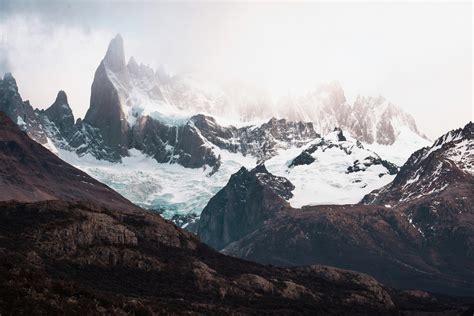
[[431, 169]]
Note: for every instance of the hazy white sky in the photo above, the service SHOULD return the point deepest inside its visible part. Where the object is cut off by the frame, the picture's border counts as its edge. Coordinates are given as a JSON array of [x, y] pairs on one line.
[[417, 55]]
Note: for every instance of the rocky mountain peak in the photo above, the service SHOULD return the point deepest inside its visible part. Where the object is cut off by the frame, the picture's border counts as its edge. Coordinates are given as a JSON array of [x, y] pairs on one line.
[[461, 133], [115, 57], [21, 112], [132, 62], [10, 82], [431, 170], [133, 66], [248, 199], [260, 168], [108, 101], [60, 113], [340, 135], [61, 98]]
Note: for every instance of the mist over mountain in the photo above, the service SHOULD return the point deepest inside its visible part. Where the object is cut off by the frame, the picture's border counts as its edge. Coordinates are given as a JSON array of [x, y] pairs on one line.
[[137, 112], [219, 178], [280, 48]]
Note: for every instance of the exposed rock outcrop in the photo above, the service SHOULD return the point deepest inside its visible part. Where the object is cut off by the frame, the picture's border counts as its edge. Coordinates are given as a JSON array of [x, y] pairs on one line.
[[21, 112], [106, 111], [60, 114], [244, 204]]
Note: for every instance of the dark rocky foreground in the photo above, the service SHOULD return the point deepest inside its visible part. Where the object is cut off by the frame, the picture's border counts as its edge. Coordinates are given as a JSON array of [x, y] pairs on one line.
[[417, 232], [67, 253], [60, 257]]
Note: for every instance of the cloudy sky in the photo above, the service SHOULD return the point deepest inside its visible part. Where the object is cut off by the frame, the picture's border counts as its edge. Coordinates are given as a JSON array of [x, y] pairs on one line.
[[417, 55]]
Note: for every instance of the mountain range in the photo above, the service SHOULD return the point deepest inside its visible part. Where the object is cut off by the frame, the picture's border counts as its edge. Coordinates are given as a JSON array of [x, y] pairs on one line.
[[308, 187], [144, 125], [416, 231]]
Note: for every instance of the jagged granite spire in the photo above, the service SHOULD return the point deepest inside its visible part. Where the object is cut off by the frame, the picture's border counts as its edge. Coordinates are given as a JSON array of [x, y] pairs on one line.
[[248, 200], [108, 100], [61, 98], [115, 57], [10, 82], [133, 67], [60, 113], [19, 111]]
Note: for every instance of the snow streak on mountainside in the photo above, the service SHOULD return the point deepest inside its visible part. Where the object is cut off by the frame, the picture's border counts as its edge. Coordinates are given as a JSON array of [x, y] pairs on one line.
[[430, 170]]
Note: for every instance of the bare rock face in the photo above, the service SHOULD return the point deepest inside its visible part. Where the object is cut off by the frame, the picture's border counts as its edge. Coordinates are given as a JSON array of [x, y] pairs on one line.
[[106, 114], [244, 204], [21, 112], [107, 101], [264, 141], [447, 163], [115, 57], [191, 144], [60, 114], [176, 144], [259, 141], [374, 120]]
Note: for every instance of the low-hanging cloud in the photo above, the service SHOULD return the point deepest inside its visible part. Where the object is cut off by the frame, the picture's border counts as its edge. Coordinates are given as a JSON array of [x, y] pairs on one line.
[[5, 65], [418, 56]]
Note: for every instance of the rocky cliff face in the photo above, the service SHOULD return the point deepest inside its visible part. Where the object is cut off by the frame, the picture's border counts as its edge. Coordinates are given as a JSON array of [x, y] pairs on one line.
[[245, 203], [21, 112], [431, 170], [106, 111], [376, 120], [368, 119], [417, 231], [76, 246], [60, 113]]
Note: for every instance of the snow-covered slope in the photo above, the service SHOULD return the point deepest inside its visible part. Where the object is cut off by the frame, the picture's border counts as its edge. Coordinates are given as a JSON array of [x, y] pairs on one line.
[[334, 169], [169, 188], [431, 170], [406, 143]]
